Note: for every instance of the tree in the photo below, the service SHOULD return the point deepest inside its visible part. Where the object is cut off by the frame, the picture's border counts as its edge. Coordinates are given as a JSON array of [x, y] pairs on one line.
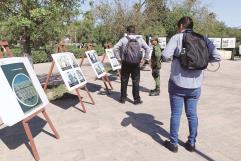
[[35, 22]]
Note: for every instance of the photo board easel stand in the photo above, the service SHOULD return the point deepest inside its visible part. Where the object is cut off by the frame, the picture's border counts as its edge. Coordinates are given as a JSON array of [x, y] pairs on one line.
[[104, 78], [109, 46], [61, 48], [4, 45]]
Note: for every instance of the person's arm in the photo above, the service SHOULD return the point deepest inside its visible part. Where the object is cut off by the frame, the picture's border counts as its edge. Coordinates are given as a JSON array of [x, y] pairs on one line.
[[214, 55], [146, 48], [170, 49], [117, 49]]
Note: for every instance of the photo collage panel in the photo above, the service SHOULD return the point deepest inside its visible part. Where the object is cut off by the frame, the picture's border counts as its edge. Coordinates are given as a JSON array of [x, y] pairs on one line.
[[69, 69], [97, 66]]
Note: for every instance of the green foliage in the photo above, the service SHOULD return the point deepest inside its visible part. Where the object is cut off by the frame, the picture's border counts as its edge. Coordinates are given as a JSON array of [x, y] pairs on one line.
[[39, 25], [56, 92], [40, 56]]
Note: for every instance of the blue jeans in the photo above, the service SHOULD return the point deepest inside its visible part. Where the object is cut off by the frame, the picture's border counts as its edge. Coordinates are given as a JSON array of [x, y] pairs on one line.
[[178, 97]]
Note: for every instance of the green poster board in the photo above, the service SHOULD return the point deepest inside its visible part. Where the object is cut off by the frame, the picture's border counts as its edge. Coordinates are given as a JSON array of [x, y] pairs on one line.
[[21, 84]]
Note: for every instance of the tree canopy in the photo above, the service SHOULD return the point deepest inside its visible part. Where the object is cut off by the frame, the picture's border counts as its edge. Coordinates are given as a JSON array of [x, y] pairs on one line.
[[36, 23]]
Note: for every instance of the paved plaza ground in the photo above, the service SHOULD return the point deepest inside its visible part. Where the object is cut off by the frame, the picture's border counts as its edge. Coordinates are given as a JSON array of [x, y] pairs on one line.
[[111, 131]]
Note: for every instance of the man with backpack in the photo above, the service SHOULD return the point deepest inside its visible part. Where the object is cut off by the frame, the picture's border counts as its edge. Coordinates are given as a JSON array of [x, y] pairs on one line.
[[191, 53], [128, 52]]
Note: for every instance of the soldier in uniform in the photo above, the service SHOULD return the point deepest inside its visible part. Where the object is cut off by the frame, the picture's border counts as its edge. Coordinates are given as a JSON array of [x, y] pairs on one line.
[[156, 65]]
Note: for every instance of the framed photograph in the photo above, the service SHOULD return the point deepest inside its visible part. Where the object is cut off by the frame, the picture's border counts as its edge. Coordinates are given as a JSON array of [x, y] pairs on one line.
[[95, 63], [216, 41], [228, 43], [113, 60], [73, 76], [21, 93]]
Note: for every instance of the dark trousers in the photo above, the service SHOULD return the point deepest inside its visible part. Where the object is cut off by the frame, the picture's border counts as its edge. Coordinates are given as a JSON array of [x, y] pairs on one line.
[[128, 69]]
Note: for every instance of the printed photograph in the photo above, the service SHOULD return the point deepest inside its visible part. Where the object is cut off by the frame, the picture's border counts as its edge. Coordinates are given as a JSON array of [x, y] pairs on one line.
[[93, 57], [99, 68], [80, 75], [115, 62], [73, 61], [110, 54], [64, 62], [71, 78]]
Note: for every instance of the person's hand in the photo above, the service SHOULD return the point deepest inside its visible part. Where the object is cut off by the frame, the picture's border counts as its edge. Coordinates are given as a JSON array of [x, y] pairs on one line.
[[142, 62]]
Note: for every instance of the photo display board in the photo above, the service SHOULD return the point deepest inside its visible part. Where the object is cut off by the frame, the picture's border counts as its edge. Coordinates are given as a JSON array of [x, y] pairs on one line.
[[239, 49], [21, 92], [216, 41], [113, 60], [162, 42], [69, 70], [228, 42], [97, 66]]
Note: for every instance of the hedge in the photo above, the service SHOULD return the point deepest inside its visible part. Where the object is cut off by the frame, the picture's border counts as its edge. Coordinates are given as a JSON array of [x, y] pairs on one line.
[[44, 55]]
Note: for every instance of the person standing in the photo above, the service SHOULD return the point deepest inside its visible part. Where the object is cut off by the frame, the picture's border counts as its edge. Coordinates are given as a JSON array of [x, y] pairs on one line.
[[186, 78], [128, 52], [156, 65]]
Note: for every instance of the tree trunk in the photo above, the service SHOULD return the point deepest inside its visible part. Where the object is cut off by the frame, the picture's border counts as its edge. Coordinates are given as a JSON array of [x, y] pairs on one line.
[[26, 45]]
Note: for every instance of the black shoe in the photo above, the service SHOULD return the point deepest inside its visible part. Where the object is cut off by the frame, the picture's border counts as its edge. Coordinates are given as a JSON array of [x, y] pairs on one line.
[[137, 102], [189, 147], [170, 146], [154, 93], [122, 100]]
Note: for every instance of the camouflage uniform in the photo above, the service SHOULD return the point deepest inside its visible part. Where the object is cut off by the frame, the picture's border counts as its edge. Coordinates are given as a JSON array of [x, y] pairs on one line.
[[156, 65]]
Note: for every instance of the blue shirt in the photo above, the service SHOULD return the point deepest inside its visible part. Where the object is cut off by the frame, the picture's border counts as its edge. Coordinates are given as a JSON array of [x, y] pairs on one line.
[[181, 77]]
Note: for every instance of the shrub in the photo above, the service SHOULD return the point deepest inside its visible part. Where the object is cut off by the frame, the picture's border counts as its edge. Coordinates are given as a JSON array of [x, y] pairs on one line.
[[39, 56]]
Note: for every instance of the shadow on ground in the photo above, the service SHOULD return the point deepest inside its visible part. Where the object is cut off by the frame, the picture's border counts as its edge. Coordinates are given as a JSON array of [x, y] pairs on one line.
[[147, 124], [68, 100], [15, 136], [115, 96]]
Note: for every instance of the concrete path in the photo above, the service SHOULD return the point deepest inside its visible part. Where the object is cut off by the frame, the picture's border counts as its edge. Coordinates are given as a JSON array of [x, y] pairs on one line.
[[110, 131]]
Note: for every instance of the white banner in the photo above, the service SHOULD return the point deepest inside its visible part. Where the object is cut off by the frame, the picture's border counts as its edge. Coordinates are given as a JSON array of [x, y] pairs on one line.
[[69, 69], [216, 41], [21, 93], [97, 66], [113, 60], [228, 42]]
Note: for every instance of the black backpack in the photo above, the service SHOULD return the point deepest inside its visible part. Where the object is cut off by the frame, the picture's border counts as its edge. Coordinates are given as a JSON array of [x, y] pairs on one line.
[[194, 54], [132, 51]]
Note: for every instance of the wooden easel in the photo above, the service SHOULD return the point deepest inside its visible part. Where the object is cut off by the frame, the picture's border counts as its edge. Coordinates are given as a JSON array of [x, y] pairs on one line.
[[104, 78], [4, 45], [5, 49], [61, 48], [109, 46]]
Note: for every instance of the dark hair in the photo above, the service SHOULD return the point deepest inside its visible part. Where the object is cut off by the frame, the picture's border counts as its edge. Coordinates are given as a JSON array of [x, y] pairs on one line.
[[131, 29], [186, 22]]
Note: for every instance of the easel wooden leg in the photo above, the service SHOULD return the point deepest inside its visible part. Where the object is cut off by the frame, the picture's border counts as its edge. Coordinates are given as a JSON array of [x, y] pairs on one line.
[[108, 80], [30, 137], [49, 75], [82, 60], [80, 99], [106, 87], [91, 98], [103, 58], [119, 73], [50, 124]]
